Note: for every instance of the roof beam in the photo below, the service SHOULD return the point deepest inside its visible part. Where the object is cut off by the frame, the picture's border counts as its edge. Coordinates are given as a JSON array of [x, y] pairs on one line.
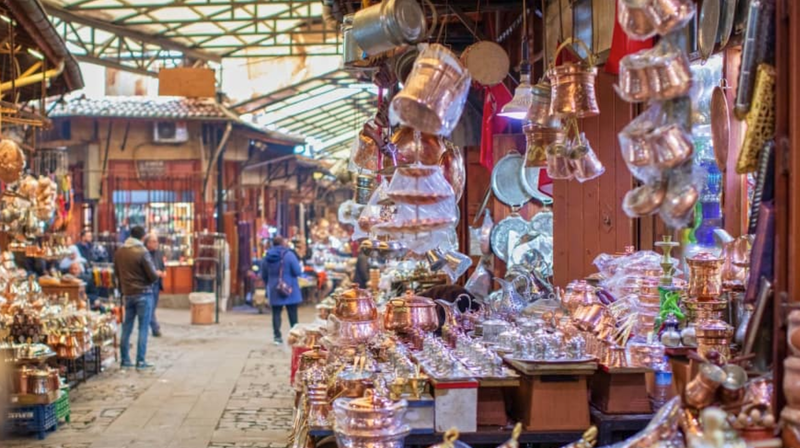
[[123, 32]]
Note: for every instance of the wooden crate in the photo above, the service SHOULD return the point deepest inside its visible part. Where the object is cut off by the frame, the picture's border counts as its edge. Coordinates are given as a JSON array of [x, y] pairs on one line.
[[553, 403], [622, 391]]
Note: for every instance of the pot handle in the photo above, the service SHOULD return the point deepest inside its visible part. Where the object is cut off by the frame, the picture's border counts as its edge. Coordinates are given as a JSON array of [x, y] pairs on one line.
[[434, 18], [590, 60]]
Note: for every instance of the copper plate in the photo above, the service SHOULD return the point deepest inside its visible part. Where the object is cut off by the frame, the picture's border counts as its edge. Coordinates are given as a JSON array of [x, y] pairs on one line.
[[720, 127], [708, 28]]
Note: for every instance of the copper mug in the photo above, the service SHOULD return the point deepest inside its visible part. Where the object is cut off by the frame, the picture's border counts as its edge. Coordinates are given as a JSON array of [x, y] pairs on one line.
[[558, 163], [634, 18], [634, 79], [701, 391], [537, 139], [583, 160], [670, 75], [672, 146]]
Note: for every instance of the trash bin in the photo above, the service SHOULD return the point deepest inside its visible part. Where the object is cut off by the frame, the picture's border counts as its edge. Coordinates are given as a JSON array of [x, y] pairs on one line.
[[203, 306]]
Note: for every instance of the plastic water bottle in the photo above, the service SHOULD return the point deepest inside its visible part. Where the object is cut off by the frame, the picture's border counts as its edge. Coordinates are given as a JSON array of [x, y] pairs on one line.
[[662, 389]]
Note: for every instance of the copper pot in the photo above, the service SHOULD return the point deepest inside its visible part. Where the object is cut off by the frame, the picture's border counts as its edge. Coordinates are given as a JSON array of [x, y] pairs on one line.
[[353, 332], [579, 293], [537, 139], [705, 276], [369, 413], [573, 92], [644, 200], [670, 15], [539, 114], [701, 391], [355, 305], [352, 384], [714, 335], [434, 94], [408, 313]]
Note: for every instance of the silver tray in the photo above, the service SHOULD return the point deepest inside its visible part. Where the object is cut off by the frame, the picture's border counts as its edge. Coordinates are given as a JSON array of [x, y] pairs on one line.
[[507, 181], [708, 28], [530, 182], [501, 230]]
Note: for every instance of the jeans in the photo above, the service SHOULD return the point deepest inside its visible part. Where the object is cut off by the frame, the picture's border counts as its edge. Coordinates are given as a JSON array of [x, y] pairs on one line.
[[155, 327], [136, 307], [291, 310]]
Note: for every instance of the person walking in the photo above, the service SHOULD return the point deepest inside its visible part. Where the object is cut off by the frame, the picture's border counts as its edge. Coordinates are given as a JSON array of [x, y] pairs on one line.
[[136, 276], [151, 243], [280, 271]]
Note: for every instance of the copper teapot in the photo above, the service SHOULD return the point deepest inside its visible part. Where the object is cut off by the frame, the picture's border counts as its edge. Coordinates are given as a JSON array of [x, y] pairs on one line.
[[355, 305], [410, 312]]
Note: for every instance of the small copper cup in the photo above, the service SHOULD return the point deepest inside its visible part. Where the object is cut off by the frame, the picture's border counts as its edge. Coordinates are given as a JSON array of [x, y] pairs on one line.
[[634, 80], [670, 76], [584, 162], [558, 163], [701, 391], [672, 145], [634, 18]]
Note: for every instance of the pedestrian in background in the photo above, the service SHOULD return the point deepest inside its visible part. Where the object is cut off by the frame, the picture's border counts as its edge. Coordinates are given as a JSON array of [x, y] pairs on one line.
[[136, 276], [280, 271], [151, 243]]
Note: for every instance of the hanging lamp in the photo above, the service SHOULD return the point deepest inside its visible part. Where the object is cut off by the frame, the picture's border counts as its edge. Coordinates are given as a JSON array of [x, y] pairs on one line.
[[517, 108]]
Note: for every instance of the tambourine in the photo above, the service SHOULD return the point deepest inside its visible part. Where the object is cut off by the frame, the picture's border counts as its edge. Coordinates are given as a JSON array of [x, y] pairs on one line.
[[487, 63]]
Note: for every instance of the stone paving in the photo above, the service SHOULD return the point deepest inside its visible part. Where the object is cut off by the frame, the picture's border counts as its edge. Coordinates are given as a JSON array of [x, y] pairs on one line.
[[220, 386]]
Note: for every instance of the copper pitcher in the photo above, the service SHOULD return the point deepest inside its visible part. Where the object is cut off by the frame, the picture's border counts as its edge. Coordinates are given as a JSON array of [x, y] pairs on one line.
[[573, 85], [701, 391]]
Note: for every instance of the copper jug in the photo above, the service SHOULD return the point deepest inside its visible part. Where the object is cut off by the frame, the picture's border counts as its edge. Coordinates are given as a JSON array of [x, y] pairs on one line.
[[573, 92]]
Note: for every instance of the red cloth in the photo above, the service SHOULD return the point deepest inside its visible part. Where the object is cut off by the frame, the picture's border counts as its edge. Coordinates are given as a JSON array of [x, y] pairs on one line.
[[494, 99], [621, 46], [296, 352]]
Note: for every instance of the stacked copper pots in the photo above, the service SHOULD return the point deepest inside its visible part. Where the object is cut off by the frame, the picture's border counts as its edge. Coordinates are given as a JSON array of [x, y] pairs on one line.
[[354, 319], [705, 306]]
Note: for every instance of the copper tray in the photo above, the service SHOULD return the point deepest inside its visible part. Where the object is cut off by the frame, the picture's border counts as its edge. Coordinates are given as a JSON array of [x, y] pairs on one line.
[[720, 127]]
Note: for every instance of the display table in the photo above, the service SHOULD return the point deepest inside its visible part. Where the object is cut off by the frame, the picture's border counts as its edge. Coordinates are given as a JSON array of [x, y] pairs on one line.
[[76, 292]]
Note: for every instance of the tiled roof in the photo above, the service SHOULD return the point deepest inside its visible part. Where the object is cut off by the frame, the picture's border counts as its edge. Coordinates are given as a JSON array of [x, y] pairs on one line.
[[162, 107]]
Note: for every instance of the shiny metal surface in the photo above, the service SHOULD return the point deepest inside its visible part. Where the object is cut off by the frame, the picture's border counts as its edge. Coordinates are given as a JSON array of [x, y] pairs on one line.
[[501, 230], [388, 24], [708, 27], [507, 181]]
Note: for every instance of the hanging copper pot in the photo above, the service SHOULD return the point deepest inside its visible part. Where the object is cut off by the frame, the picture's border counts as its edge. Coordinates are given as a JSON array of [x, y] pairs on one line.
[[410, 146], [573, 85], [537, 139], [539, 112]]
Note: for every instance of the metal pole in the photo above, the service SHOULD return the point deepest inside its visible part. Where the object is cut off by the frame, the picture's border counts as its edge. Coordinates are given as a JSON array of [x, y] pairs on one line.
[[220, 226]]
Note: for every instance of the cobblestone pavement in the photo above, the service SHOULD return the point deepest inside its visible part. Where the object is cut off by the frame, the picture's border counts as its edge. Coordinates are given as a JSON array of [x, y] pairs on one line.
[[220, 386]]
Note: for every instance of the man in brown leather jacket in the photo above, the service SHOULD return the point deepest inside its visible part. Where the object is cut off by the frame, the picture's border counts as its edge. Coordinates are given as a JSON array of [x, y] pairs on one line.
[[136, 276]]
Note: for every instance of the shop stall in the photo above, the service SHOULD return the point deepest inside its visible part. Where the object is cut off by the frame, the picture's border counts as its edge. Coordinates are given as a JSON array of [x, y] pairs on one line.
[[614, 283]]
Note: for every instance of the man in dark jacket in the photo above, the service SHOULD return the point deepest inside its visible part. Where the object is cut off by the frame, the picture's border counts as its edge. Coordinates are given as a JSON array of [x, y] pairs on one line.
[[136, 276], [281, 260], [151, 243], [86, 246]]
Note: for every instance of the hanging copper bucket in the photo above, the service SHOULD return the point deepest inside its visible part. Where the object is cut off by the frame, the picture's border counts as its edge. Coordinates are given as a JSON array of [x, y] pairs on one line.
[[537, 140], [435, 92], [573, 92], [539, 112]]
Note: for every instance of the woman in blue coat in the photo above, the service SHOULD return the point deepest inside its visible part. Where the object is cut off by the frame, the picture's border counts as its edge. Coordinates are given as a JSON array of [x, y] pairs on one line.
[[280, 255]]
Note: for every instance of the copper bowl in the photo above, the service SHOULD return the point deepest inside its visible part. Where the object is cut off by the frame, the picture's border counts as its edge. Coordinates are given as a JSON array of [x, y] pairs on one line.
[[644, 200]]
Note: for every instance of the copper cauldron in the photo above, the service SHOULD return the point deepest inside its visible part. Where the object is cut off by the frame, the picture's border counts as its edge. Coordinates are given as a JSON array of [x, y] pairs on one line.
[[410, 312], [573, 92], [355, 305]]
